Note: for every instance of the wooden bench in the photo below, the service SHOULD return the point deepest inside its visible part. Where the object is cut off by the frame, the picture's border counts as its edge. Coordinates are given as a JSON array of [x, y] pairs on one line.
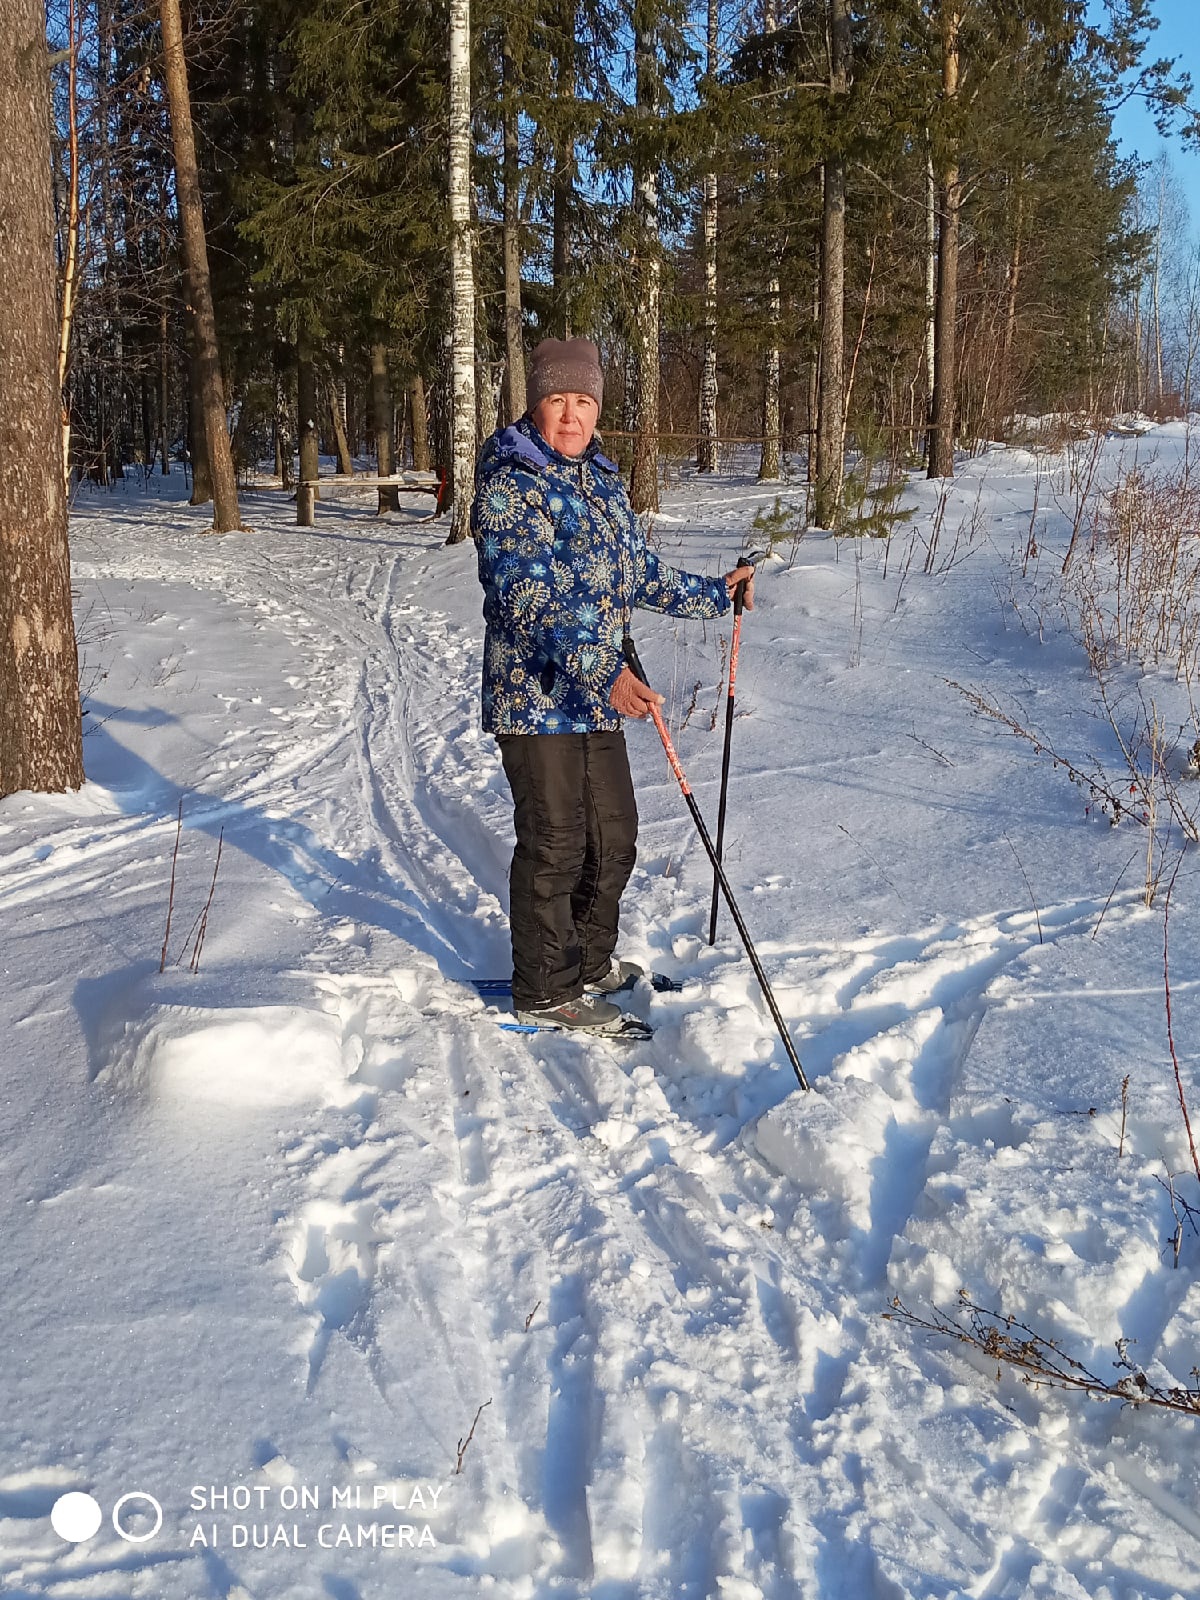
[[410, 482]]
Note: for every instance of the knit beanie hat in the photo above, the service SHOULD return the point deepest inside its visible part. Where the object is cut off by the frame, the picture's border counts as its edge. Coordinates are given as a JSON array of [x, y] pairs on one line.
[[564, 366]]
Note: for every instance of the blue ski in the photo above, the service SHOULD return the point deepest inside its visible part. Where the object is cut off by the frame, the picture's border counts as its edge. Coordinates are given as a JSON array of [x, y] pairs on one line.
[[503, 986]]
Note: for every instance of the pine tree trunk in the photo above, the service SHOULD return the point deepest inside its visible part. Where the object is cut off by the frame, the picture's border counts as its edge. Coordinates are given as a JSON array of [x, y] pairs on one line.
[[195, 254], [197, 443], [384, 419], [514, 351], [420, 424], [831, 392], [337, 394], [41, 744], [71, 263], [306, 409], [462, 285], [643, 485], [706, 454], [945, 374]]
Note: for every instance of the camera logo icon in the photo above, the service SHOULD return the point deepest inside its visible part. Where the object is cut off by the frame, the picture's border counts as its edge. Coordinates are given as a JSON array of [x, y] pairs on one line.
[[76, 1517]]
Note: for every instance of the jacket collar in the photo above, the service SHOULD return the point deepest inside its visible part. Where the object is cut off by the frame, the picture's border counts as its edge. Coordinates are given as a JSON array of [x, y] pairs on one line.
[[523, 440]]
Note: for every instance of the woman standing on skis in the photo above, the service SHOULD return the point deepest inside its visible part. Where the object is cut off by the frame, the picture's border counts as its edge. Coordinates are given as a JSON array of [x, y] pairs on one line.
[[563, 562]]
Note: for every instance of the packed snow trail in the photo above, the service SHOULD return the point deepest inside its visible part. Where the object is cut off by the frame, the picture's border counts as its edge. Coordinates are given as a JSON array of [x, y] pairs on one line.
[[658, 1270]]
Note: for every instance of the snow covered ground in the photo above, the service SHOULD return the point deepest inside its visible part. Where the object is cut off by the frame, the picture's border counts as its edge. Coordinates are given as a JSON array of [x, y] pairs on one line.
[[277, 1229]]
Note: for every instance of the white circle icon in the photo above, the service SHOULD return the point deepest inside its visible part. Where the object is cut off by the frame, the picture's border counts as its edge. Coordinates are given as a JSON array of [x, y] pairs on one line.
[[137, 1538], [75, 1517]]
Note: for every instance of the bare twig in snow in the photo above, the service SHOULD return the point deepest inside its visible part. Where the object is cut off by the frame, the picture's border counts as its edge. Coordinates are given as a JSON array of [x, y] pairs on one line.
[[162, 960], [1187, 1121], [463, 1443], [1036, 913], [203, 929]]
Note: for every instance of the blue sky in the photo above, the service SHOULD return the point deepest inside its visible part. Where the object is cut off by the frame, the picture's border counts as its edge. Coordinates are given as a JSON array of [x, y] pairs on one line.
[[1178, 35]]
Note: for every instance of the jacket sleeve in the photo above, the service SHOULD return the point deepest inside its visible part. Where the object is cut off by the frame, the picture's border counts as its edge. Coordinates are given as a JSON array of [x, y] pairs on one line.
[[531, 590], [679, 594]]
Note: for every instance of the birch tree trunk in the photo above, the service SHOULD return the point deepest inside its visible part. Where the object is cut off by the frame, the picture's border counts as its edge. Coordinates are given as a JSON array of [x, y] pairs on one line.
[[930, 277], [643, 485], [706, 454], [41, 744], [164, 393], [195, 255], [462, 283], [1156, 308], [514, 351], [832, 386], [768, 464], [383, 415], [945, 363]]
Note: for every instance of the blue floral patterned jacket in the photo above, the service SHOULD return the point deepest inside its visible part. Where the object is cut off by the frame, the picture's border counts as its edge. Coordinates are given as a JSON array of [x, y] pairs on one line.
[[563, 561]]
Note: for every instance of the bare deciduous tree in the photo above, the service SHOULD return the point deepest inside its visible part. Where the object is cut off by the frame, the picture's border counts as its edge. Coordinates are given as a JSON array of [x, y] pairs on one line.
[[462, 277]]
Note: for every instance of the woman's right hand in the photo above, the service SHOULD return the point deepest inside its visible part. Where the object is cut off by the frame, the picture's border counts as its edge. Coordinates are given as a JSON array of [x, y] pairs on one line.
[[630, 697]]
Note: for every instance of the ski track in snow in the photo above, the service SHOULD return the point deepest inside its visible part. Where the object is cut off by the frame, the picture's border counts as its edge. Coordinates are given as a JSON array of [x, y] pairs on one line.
[[667, 1264]]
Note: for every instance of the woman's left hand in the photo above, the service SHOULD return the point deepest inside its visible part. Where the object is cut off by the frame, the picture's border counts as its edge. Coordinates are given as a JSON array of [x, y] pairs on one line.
[[742, 574]]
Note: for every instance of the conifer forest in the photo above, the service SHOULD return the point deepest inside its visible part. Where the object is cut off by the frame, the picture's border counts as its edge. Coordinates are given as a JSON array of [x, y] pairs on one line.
[[890, 227]]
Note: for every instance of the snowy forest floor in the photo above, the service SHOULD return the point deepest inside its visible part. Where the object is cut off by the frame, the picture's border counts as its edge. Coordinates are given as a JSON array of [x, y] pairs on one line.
[[275, 1230]]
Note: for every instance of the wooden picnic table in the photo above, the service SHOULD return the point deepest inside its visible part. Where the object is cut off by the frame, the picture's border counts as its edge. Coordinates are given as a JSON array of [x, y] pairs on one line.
[[308, 489]]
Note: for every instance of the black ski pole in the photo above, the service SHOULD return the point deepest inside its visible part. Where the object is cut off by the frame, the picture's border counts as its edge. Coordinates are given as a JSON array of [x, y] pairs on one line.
[[739, 598], [635, 666]]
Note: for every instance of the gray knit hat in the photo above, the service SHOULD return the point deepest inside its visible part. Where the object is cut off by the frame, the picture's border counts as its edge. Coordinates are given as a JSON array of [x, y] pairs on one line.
[[564, 366]]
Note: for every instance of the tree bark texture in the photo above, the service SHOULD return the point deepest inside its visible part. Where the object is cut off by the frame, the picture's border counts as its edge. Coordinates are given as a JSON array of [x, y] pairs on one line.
[[197, 437], [831, 392], [41, 744], [462, 284], [931, 236], [945, 360], [71, 264], [195, 254], [514, 351], [383, 416], [306, 409], [768, 463], [164, 394], [422, 460], [706, 453], [337, 399]]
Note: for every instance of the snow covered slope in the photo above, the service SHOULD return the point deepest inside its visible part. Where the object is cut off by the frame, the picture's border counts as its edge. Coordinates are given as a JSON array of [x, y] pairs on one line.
[[290, 1238]]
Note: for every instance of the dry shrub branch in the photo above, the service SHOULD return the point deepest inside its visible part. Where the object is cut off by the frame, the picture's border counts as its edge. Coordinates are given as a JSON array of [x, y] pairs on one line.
[[1041, 1361], [1133, 590]]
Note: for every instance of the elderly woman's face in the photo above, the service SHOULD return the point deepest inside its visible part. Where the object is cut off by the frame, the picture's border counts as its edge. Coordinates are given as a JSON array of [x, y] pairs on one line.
[[566, 422]]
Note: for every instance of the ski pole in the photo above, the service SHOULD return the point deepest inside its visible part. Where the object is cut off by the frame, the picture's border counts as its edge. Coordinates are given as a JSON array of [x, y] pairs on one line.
[[739, 597], [635, 666]]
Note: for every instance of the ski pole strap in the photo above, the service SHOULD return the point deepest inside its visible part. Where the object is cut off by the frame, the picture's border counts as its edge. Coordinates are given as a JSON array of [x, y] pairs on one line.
[[633, 660]]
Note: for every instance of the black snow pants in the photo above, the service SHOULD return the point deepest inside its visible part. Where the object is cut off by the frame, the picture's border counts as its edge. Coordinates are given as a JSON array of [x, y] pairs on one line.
[[576, 822]]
